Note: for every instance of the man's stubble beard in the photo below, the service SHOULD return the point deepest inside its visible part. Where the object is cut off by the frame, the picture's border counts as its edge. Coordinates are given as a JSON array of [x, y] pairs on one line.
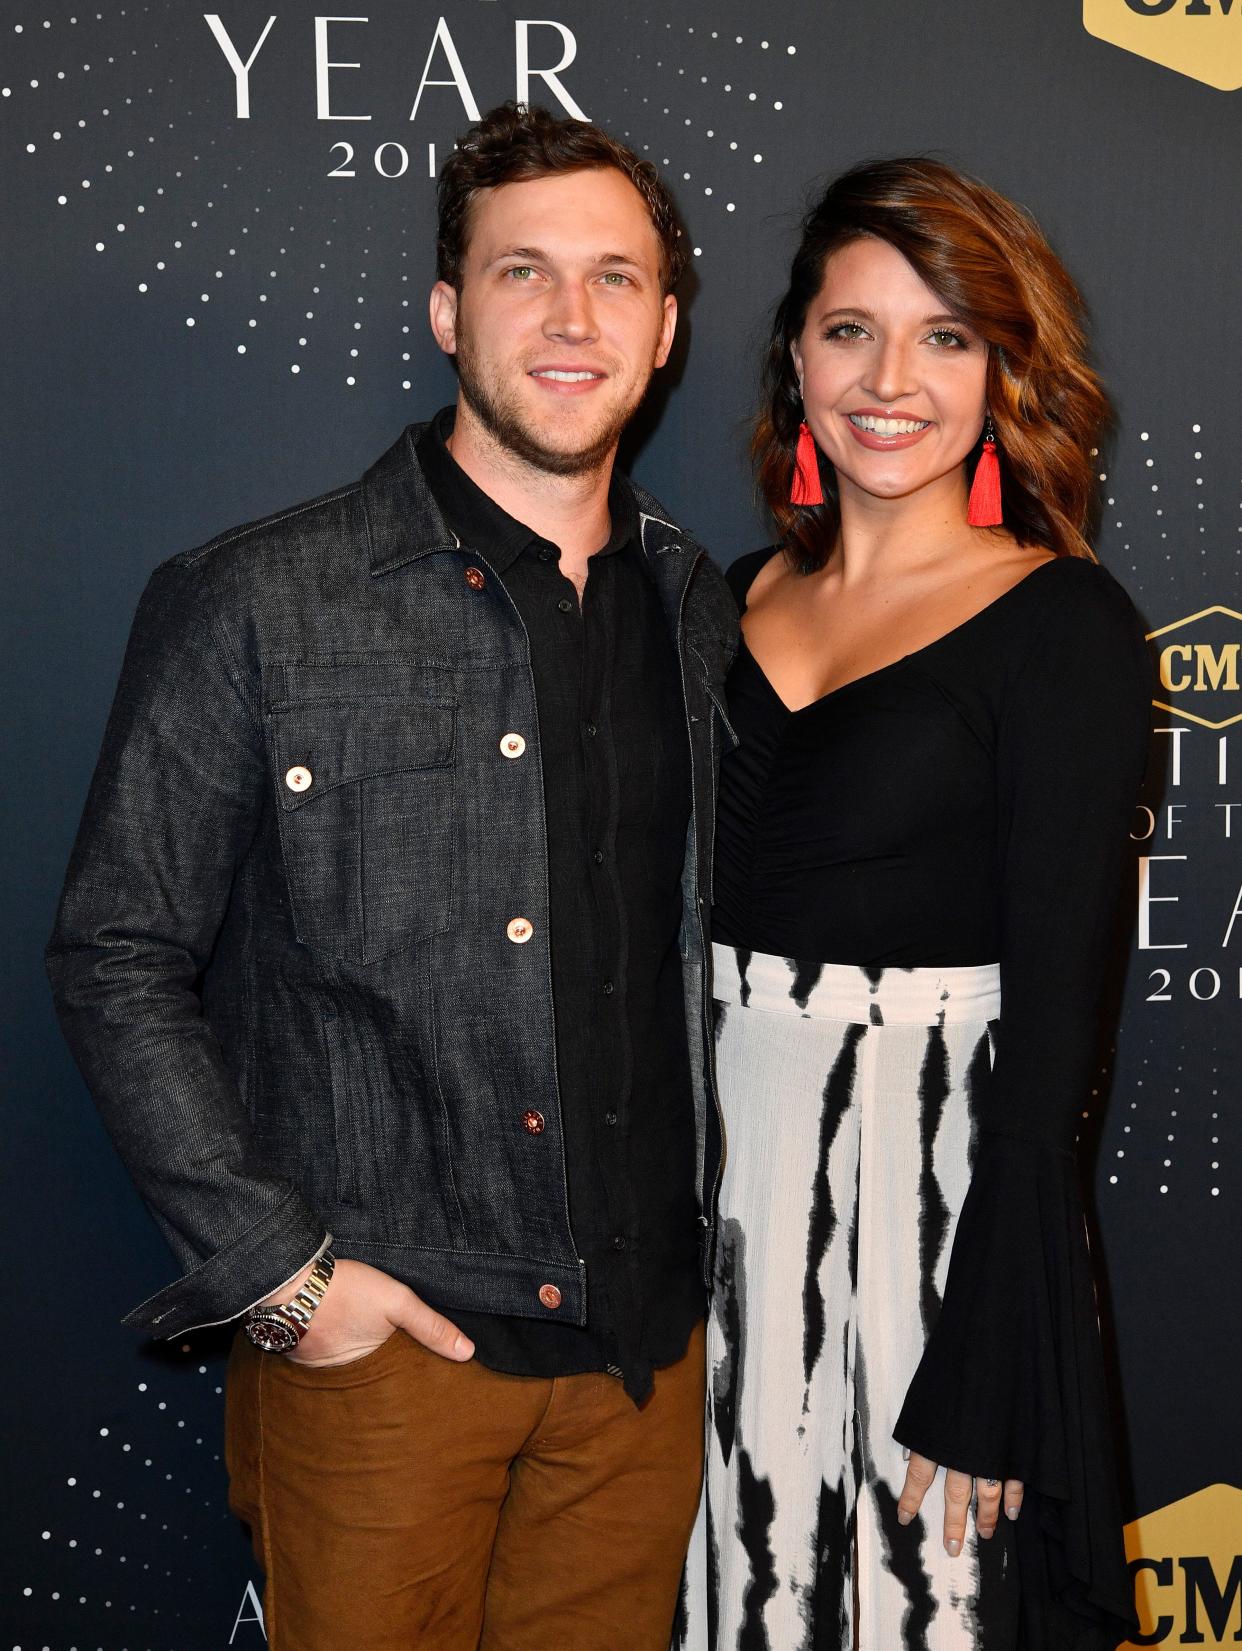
[[503, 417]]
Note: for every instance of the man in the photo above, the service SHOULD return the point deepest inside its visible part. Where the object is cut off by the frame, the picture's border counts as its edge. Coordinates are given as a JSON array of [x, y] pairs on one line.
[[384, 931]]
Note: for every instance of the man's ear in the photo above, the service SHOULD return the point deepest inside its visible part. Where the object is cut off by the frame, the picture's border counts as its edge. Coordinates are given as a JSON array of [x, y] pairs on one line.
[[668, 328], [442, 313]]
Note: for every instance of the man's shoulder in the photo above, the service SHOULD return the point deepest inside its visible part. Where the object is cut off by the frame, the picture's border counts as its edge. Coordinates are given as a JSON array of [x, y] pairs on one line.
[[270, 535], [299, 536]]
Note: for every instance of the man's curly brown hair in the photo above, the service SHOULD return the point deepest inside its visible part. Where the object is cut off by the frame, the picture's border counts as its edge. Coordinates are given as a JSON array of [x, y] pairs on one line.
[[513, 144]]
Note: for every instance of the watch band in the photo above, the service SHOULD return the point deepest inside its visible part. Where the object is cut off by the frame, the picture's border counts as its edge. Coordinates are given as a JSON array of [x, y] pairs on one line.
[[279, 1328]]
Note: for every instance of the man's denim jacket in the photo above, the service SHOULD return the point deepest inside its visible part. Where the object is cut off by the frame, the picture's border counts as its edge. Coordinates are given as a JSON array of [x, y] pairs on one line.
[[286, 958]]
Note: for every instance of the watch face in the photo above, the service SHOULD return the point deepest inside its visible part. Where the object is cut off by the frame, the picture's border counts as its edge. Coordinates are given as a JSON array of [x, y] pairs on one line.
[[272, 1335]]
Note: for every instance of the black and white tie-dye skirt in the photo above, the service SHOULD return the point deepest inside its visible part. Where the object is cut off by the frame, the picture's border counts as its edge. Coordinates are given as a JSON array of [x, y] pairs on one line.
[[849, 1099]]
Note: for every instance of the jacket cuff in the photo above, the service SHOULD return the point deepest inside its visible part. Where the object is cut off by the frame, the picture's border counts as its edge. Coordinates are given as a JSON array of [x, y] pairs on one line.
[[223, 1286]]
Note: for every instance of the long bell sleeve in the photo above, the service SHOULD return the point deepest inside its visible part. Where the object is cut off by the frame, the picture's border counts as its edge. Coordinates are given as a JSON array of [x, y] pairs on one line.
[[1011, 1384]]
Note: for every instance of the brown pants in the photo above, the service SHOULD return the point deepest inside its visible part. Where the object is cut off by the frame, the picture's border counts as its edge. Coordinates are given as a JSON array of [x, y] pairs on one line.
[[401, 1501]]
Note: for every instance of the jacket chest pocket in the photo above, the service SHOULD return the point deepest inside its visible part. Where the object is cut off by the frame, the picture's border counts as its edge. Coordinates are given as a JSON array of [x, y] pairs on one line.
[[366, 788]]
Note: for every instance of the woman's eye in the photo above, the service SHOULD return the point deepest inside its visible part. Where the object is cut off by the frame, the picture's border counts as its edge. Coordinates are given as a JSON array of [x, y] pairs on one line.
[[946, 338], [846, 330]]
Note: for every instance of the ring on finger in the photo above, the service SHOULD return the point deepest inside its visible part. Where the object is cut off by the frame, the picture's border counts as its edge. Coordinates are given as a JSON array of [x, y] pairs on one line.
[[992, 1484]]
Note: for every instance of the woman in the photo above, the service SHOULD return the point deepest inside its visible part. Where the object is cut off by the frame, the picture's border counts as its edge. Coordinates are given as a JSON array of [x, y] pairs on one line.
[[941, 709]]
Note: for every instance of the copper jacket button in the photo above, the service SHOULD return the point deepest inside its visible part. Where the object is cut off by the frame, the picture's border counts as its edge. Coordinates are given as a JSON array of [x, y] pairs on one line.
[[475, 579], [533, 1122], [549, 1295], [512, 745], [519, 930], [298, 779]]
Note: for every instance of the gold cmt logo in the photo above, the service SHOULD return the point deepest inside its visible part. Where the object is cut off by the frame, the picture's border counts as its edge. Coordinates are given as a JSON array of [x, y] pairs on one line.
[[1187, 1571], [1199, 665], [1199, 38]]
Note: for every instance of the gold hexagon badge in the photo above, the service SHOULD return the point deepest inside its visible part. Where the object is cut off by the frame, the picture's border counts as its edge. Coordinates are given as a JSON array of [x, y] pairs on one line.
[[1187, 1570], [1199, 666], [1199, 38]]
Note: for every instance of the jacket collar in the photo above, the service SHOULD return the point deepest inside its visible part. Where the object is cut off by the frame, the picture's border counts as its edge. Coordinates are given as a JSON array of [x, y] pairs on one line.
[[402, 520], [404, 524], [671, 554]]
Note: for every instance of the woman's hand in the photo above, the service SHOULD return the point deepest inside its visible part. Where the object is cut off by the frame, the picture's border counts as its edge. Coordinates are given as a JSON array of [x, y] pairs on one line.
[[958, 1489]]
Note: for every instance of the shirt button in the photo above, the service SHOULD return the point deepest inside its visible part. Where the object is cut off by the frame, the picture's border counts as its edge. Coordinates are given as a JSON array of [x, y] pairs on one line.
[[591, 729], [608, 988], [519, 930], [512, 745], [533, 1122], [565, 605], [546, 555], [610, 1118], [475, 578], [549, 1295], [298, 779], [618, 1242], [598, 857]]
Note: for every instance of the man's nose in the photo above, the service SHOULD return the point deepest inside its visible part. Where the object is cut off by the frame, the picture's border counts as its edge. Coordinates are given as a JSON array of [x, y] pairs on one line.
[[570, 315]]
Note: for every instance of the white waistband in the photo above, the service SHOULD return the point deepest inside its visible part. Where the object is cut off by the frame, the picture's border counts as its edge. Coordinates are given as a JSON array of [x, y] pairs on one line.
[[840, 991]]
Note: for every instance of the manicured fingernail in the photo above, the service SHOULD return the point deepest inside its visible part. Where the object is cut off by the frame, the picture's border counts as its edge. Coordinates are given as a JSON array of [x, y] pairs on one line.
[[903, 1518], [905, 1453], [954, 1546], [1012, 1513]]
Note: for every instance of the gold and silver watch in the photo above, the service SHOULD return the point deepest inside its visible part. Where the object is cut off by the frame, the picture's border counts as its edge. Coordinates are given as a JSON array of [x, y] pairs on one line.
[[279, 1328]]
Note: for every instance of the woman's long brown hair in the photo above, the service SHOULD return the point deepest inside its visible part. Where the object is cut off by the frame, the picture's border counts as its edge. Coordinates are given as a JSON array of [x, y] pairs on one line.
[[988, 262]]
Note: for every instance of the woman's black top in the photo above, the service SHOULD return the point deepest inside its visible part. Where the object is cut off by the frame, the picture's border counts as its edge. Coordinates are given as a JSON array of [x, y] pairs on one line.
[[970, 804]]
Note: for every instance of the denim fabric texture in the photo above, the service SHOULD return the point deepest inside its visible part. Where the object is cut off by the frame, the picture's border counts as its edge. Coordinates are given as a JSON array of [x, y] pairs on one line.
[[281, 958]]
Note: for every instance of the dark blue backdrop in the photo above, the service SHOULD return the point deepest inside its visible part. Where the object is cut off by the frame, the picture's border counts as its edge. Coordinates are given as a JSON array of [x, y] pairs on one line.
[[204, 324]]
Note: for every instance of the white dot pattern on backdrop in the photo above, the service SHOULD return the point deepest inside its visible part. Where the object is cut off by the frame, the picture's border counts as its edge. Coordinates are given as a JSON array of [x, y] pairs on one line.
[[132, 1527], [183, 237], [199, 227], [1165, 501], [658, 68], [1158, 1141]]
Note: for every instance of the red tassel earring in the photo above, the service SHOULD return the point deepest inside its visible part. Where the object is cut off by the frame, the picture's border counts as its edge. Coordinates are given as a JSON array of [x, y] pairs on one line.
[[806, 488], [985, 490]]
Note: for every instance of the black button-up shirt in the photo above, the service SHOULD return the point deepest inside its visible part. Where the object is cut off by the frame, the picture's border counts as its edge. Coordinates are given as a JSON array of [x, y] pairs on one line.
[[616, 778]]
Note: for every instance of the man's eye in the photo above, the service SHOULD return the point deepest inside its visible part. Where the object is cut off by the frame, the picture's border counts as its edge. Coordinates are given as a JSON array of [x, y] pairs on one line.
[[614, 278], [521, 272]]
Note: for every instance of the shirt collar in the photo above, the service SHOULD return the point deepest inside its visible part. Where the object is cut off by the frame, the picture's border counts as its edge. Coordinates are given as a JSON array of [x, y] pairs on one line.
[[479, 521]]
